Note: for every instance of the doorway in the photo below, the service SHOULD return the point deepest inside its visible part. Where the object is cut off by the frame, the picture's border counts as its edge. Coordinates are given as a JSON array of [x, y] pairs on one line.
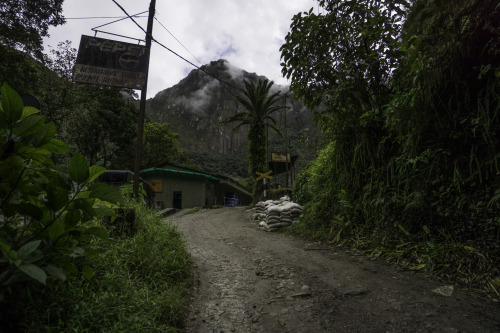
[[177, 200]]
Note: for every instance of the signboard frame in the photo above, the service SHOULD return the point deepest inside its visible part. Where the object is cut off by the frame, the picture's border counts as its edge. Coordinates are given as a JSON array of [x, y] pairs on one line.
[[280, 157], [112, 63]]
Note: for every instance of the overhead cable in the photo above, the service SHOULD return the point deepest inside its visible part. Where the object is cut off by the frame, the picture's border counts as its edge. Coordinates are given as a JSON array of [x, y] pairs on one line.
[[198, 67], [199, 61], [98, 17], [120, 19], [175, 53]]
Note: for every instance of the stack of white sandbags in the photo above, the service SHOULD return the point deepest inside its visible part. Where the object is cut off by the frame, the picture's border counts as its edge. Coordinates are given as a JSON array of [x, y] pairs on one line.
[[258, 213], [279, 214]]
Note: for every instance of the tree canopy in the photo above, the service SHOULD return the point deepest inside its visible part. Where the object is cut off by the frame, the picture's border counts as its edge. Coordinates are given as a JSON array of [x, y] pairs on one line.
[[23, 23], [160, 145]]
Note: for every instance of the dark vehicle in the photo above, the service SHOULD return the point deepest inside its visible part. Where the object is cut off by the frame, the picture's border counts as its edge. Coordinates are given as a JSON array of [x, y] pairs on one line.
[[118, 178]]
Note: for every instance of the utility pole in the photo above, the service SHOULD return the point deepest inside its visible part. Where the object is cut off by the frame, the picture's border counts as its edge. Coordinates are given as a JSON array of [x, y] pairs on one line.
[[286, 143], [142, 107]]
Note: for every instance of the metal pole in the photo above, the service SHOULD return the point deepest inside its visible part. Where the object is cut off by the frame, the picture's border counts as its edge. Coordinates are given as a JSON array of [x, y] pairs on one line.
[[264, 188], [286, 144], [142, 107]]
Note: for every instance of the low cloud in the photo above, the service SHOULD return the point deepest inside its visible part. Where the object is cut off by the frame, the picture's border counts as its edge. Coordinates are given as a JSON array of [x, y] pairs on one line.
[[198, 100]]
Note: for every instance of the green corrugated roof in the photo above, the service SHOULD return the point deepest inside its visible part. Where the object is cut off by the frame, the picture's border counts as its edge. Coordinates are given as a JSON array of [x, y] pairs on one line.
[[177, 173]]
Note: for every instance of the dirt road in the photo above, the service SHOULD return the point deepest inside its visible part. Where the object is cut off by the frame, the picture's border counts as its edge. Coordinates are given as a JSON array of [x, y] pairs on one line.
[[249, 280]]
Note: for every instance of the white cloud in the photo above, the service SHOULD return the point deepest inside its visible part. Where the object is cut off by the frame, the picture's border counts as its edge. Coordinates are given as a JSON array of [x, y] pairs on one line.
[[248, 33]]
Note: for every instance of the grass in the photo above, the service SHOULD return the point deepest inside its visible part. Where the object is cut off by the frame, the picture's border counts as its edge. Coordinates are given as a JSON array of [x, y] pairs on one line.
[[140, 284], [193, 210], [445, 259]]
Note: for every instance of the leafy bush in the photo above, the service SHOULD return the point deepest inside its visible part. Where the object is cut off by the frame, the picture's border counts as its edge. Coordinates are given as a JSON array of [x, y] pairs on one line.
[[51, 230], [140, 283], [47, 214]]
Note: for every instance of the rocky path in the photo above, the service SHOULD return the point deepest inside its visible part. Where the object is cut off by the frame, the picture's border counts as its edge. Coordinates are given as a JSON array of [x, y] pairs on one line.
[[248, 280]]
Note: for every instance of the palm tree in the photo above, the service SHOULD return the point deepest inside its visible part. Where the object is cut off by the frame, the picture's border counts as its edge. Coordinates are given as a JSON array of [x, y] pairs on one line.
[[259, 104]]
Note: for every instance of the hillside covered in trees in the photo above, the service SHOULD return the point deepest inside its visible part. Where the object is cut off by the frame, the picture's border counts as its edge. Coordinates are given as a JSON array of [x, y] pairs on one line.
[[197, 105]]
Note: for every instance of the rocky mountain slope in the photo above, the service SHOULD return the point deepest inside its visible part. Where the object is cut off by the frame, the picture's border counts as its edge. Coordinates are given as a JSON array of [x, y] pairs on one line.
[[197, 104]]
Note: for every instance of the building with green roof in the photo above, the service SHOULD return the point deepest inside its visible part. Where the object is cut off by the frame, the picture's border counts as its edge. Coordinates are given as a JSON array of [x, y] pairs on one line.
[[185, 188]]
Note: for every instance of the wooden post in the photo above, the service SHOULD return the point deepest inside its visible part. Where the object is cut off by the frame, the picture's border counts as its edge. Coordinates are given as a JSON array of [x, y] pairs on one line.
[[142, 107]]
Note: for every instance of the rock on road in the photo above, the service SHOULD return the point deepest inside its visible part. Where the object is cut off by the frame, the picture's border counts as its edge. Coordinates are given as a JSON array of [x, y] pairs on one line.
[[249, 280]]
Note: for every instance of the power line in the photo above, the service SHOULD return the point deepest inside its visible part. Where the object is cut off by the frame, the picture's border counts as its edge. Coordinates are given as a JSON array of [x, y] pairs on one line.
[[121, 19], [199, 61], [197, 67], [130, 17], [98, 17], [175, 53]]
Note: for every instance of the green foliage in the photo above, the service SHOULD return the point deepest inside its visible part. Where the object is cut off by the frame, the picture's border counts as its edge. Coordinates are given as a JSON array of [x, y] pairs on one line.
[[99, 122], [218, 163], [343, 56], [47, 214], [193, 210], [259, 104], [103, 126], [137, 283], [412, 115], [23, 23], [160, 145]]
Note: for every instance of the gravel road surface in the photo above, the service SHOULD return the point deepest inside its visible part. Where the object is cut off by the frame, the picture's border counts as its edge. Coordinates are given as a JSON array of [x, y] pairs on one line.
[[249, 280]]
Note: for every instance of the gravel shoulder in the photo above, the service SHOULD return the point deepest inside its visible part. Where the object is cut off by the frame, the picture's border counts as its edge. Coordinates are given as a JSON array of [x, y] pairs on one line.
[[249, 280]]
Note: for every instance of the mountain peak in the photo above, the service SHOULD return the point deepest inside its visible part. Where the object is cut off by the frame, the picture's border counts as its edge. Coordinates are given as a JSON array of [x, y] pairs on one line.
[[196, 106]]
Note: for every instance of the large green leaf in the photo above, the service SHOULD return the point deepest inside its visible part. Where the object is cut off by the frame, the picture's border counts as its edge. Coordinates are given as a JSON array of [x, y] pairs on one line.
[[56, 145], [85, 206], [34, 272], [98, 231], [105, 211], [28, 125], [55, 272], [78, 168], [72, 217], [28, 248], [55, 230], [106, 193], [57, 197], [94, 172], [28, 111], [44, 134], [12, 104]]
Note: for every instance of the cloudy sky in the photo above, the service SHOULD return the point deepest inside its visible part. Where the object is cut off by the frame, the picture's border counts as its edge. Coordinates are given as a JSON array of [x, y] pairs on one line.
[[248, 33]]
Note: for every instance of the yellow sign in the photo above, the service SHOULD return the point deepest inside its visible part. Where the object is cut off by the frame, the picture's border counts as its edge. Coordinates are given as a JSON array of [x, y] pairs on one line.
[[264, 175], [280, 157], [157, 185]]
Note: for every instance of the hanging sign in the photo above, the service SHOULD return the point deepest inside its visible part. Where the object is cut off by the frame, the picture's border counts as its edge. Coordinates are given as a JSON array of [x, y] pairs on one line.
[[280, 157], [110, 63]]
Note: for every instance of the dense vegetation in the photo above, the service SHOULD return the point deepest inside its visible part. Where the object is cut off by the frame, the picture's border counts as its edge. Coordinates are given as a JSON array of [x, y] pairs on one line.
[[407, 94], [57, 257], [75, 255]]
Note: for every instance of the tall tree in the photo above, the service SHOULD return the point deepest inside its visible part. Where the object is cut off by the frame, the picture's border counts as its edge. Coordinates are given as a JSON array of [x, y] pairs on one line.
[[23, 23], [160, 145], [103, 126], [342, 59], [259, 104]]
